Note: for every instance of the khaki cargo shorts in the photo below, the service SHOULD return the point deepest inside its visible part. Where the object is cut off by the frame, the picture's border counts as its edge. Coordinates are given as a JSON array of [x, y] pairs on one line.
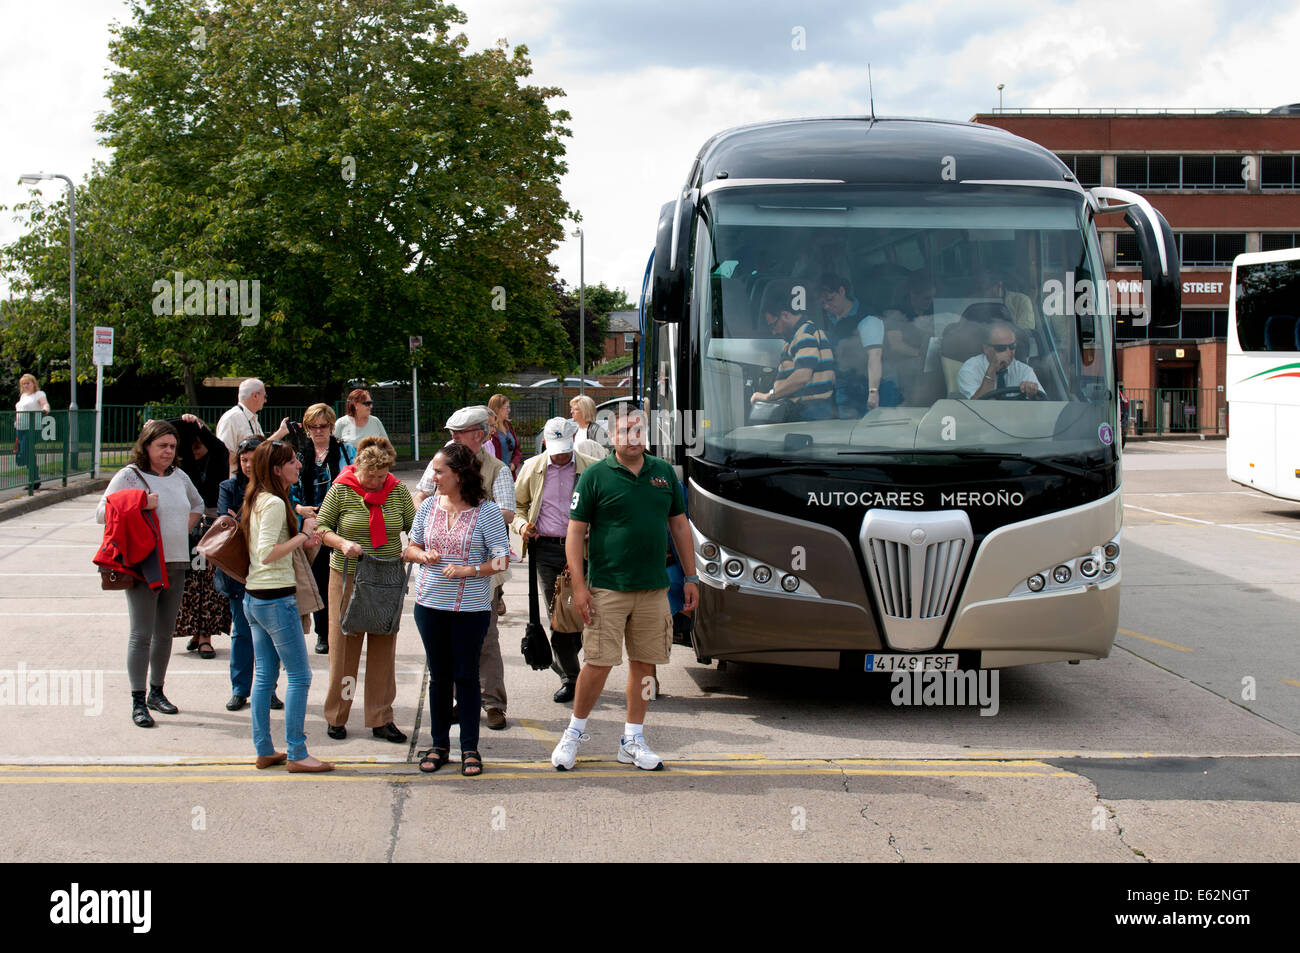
[[642, 619]]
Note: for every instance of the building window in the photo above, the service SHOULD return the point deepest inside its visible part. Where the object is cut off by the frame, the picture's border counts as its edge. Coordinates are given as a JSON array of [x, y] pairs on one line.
[[1278, 172], [629, 339], [1086, 169], [1192, 323], [1276, 241], [1195, 249], [1180, 172], [1126, 249]]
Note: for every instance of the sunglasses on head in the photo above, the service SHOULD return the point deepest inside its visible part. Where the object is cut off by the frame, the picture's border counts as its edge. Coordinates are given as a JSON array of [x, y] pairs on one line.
[[1002, 347], [251, 443]]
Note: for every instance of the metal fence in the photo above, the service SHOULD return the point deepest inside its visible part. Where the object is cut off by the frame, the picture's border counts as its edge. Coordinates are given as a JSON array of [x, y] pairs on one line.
[[1175, 410], [36, 447]]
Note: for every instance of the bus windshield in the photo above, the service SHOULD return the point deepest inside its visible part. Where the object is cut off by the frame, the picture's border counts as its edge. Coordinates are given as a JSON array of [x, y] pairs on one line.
[[843, 321]]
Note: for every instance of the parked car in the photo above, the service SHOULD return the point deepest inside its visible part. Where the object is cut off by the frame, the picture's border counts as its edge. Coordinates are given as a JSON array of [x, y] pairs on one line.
[[568, 382]]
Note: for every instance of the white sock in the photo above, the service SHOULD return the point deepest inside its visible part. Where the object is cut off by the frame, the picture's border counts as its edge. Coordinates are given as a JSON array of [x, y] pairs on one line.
[[630, 730], [577, 724]]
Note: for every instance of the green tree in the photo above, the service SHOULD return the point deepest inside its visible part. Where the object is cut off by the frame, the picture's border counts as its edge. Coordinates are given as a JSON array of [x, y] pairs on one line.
[[599, 302], [375, 178]]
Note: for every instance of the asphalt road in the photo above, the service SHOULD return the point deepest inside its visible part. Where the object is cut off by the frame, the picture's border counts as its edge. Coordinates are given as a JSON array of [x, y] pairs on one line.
[[1150, 755]]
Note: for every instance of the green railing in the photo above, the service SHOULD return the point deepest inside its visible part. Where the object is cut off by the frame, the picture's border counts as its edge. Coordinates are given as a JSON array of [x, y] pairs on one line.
[[1176, 410], [49, 455]]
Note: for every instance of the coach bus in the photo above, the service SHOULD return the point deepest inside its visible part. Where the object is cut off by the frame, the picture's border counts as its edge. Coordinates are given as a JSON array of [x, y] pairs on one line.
[[926, 530], [1263, 373]]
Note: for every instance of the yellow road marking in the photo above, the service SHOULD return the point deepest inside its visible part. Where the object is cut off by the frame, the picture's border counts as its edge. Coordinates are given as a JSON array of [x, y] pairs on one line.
[[1147, 638], [1291, 681], [750, 766], [535, 730]]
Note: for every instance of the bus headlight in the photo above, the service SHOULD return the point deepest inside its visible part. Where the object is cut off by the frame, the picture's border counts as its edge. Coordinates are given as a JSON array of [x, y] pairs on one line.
[[1036, 582], [1108, 568], [1088, 567], [1110, 550], [789, 583], [709, 550], [1061, 574], [734, 568], [762, 575], [711, 568]]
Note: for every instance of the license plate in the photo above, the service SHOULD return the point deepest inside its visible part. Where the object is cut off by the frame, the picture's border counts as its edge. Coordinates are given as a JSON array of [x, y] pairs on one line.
[[920, 662]]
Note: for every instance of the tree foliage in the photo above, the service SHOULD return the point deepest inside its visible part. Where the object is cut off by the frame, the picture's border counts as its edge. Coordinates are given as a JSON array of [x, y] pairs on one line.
[[373, 176], [599, 302]]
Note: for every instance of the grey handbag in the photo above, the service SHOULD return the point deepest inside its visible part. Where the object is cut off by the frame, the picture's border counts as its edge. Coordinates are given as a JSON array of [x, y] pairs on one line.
[[377, 596]]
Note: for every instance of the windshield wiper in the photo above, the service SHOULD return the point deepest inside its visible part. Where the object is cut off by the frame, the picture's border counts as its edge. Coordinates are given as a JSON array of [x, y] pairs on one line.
[[1051, 463]]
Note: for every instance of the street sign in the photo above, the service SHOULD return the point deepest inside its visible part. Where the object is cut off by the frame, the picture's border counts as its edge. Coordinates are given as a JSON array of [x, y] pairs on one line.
[[416, 341], [103, 346]]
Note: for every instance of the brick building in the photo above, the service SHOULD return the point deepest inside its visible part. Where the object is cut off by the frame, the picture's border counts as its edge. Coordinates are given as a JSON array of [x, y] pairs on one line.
[[1228, 181]]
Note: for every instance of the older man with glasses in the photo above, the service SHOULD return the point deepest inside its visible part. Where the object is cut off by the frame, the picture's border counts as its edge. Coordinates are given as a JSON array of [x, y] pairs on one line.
[[472, 427], [997, 369], [240, 422]]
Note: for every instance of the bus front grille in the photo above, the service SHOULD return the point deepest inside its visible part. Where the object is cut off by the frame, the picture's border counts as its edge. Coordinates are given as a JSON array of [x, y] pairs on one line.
[[915, 561]]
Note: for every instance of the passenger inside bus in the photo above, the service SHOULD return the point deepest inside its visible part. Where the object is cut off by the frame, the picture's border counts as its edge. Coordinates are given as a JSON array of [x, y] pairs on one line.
[[805, 377], [857, 339]]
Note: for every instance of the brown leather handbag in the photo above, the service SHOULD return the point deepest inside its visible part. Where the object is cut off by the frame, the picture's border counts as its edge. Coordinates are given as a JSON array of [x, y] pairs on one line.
[[564, 614], [225, 547]]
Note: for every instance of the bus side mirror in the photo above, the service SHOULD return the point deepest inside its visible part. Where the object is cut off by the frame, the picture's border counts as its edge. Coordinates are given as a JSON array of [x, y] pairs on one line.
[[1159, 251], [670, 278]]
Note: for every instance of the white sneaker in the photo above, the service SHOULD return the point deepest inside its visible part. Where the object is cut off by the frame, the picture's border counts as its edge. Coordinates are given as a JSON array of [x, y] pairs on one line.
[[636, 751], [566, 752]]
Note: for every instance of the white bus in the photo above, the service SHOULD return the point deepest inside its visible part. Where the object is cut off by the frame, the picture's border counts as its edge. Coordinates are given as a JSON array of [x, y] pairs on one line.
[[1263, 373]]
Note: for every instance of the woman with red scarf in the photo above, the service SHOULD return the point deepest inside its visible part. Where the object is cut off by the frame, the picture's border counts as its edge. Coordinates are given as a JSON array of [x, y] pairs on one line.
[[365, 511]]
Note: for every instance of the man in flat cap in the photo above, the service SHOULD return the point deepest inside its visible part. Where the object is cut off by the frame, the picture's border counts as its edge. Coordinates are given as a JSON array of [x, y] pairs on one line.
[[470, 426]]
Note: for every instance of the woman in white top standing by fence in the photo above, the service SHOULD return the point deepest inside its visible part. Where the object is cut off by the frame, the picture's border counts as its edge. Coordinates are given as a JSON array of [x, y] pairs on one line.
[[460, 540], [27, 427]]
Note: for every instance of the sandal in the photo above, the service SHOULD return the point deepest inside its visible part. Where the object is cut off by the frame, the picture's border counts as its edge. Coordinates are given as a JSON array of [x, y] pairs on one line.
[[433, 759], [471, 765], [193, 644], [206, 650]]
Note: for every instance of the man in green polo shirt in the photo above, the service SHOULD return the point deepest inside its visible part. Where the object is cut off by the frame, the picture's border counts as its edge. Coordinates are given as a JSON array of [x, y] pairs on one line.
[[631, 501]]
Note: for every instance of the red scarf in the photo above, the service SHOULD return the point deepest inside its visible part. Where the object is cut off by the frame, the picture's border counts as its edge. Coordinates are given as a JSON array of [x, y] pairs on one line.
[[374, 502]]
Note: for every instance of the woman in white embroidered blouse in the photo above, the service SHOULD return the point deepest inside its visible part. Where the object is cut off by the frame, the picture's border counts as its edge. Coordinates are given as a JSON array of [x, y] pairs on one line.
[[460, 539]]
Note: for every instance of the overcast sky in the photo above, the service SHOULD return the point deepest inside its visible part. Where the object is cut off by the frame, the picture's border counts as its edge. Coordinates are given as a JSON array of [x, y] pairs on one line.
[[648, 83]]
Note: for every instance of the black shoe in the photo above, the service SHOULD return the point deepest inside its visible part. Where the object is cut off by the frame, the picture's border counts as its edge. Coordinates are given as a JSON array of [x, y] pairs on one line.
[[276, 704], [158, 701], [389, 732], [140, 711], [322, 645], [565, 693], [236, 702], [337, 732]]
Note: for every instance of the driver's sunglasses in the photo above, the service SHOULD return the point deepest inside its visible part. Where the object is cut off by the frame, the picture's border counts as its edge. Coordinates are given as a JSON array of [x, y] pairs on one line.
[[1002, 347]]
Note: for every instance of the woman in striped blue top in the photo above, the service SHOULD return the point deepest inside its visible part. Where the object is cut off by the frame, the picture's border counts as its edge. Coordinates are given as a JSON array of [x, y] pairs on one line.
[[459, 538]]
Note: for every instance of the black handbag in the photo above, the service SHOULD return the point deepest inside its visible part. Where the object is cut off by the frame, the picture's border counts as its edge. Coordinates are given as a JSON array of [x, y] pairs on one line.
[[534, 645], [377, 595]]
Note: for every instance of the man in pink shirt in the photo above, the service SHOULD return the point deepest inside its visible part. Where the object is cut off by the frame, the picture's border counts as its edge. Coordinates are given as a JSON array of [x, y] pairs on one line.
[[543, 492]]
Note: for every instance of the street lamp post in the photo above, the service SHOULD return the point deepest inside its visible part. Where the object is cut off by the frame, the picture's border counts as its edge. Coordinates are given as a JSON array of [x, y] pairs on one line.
[[29, 179], [1000, 87], [582, 312]]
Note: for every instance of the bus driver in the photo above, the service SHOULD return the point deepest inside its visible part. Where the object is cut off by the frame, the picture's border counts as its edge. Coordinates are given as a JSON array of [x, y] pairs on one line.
[[997, 368]]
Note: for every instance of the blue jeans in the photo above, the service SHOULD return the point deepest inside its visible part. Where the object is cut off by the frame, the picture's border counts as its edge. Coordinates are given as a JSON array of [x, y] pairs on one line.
[[241, 650], [452, 643], [278, 637], [27, 454]]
